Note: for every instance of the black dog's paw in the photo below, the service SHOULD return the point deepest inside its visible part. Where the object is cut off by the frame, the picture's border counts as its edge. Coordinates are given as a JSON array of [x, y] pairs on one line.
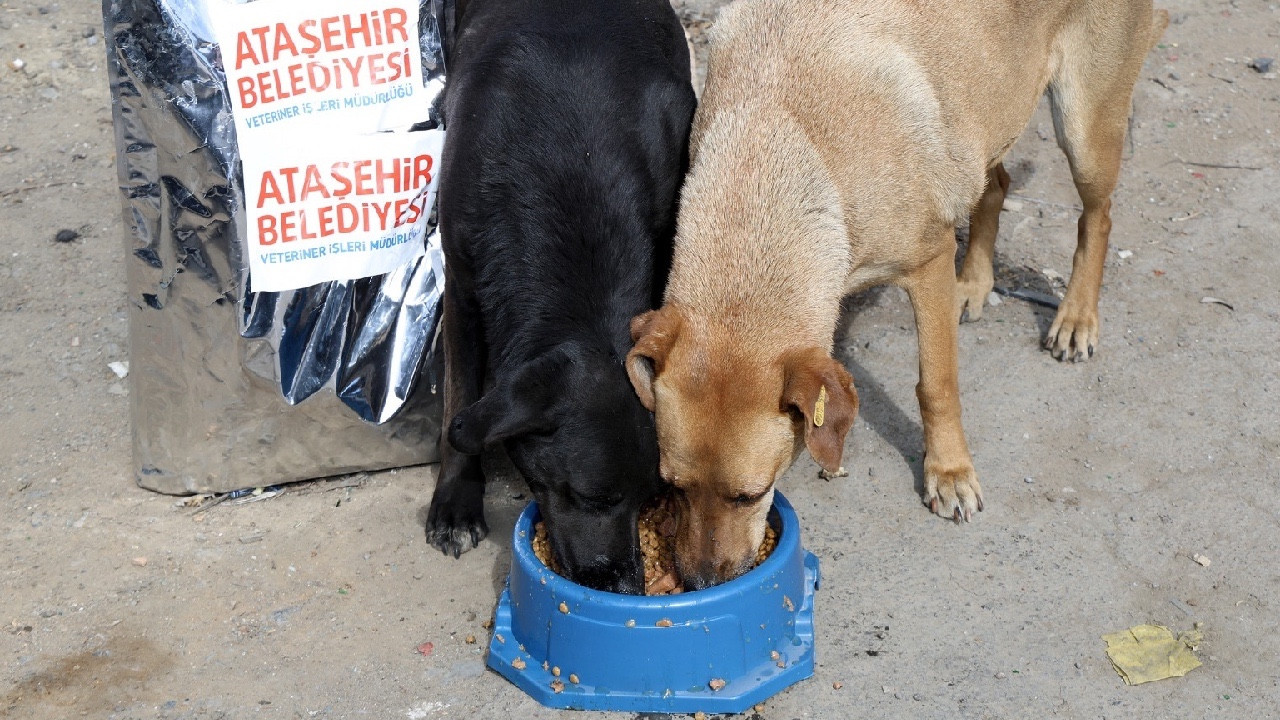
[[455, 527]]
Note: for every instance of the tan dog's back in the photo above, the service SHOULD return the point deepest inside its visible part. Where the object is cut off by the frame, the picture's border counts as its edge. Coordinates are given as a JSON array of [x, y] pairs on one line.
[[946, 87]]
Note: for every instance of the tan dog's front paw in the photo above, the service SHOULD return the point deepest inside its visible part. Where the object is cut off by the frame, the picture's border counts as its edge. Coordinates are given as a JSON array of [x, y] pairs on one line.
[[953, 494], [971, 297], [1074, 333]]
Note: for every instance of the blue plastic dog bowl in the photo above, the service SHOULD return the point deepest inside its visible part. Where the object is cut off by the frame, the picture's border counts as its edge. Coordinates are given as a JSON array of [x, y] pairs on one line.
[[718, 650]]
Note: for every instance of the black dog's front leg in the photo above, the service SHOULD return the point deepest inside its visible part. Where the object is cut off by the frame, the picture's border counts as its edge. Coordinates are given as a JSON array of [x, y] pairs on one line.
[[455, 522]]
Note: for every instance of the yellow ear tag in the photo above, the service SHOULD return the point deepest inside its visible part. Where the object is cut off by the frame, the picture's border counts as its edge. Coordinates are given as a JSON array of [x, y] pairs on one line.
[[820, 407]]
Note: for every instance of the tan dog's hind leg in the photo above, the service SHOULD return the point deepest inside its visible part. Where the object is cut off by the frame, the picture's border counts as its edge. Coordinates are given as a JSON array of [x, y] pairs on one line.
[[1095, 165], [1091, 100], [976, 276], [950, 482]]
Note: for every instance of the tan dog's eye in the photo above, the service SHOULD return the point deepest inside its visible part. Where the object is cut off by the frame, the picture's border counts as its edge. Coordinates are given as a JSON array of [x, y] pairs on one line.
[[744, 500]]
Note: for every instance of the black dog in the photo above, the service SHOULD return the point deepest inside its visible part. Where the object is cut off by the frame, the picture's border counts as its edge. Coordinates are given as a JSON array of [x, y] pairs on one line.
[[568, 126]]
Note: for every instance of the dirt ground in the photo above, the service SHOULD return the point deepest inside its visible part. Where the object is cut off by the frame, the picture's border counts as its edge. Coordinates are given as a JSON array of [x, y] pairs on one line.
[[1103, 480]]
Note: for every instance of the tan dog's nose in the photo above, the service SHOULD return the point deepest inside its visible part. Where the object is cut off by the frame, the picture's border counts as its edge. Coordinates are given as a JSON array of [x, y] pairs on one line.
[[709, 573], [703, 559]]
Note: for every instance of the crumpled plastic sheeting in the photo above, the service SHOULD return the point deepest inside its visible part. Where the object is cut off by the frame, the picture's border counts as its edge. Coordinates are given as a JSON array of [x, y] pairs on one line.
[[232, 388], [1150, 652]]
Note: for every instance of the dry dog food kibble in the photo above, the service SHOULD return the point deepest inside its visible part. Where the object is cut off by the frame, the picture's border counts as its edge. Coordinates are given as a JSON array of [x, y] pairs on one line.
[[658, 524]]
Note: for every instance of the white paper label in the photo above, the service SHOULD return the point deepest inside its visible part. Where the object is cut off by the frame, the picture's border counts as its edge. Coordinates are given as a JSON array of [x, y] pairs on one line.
[[323, 93]]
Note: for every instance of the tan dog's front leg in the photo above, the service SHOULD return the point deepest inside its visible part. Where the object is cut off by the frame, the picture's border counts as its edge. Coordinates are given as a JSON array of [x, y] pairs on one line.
[[950, 482]]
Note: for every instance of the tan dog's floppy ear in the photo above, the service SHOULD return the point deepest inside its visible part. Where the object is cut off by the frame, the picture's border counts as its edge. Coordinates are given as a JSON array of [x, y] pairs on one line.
[[822, 390], [653, 333]]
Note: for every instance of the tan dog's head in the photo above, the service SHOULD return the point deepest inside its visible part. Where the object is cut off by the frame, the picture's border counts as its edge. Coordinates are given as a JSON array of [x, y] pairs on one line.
[[730, 421]]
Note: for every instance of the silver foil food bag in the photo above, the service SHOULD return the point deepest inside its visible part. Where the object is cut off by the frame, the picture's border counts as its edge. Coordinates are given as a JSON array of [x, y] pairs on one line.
[[232, 388]]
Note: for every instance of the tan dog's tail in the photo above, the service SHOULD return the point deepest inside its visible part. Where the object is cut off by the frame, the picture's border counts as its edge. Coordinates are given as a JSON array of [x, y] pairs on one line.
[[1159, 21]]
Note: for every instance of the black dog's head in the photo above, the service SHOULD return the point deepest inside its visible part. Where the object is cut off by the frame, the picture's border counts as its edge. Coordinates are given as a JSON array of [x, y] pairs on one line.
[[575, 429]]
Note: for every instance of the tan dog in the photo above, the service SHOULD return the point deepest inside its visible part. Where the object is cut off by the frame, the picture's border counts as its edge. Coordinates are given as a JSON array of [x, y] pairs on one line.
[[837, 146]]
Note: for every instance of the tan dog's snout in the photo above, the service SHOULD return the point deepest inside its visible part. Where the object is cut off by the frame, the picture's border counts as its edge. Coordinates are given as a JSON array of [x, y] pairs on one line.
[[718, 538]]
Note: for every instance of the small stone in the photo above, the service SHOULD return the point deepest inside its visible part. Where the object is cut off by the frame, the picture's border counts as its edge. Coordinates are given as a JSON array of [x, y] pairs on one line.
[[471, 639], [140, 561], [1001, 675], [699, 715], [837, 685], [918, 697], [556, 671], [993, 298], [1262, 64], [1028, 480], [66, 236], [716, 684], [1201, 560], [1124, 254], [121, 369], [573, 678], [17, 64]]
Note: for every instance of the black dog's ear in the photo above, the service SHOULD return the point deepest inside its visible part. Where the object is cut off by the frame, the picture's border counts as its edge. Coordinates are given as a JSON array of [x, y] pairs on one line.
[[517, 404]]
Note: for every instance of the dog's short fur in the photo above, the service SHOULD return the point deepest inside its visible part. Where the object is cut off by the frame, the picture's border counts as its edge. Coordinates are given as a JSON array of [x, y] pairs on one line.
[[568, 127], [837, 146]]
